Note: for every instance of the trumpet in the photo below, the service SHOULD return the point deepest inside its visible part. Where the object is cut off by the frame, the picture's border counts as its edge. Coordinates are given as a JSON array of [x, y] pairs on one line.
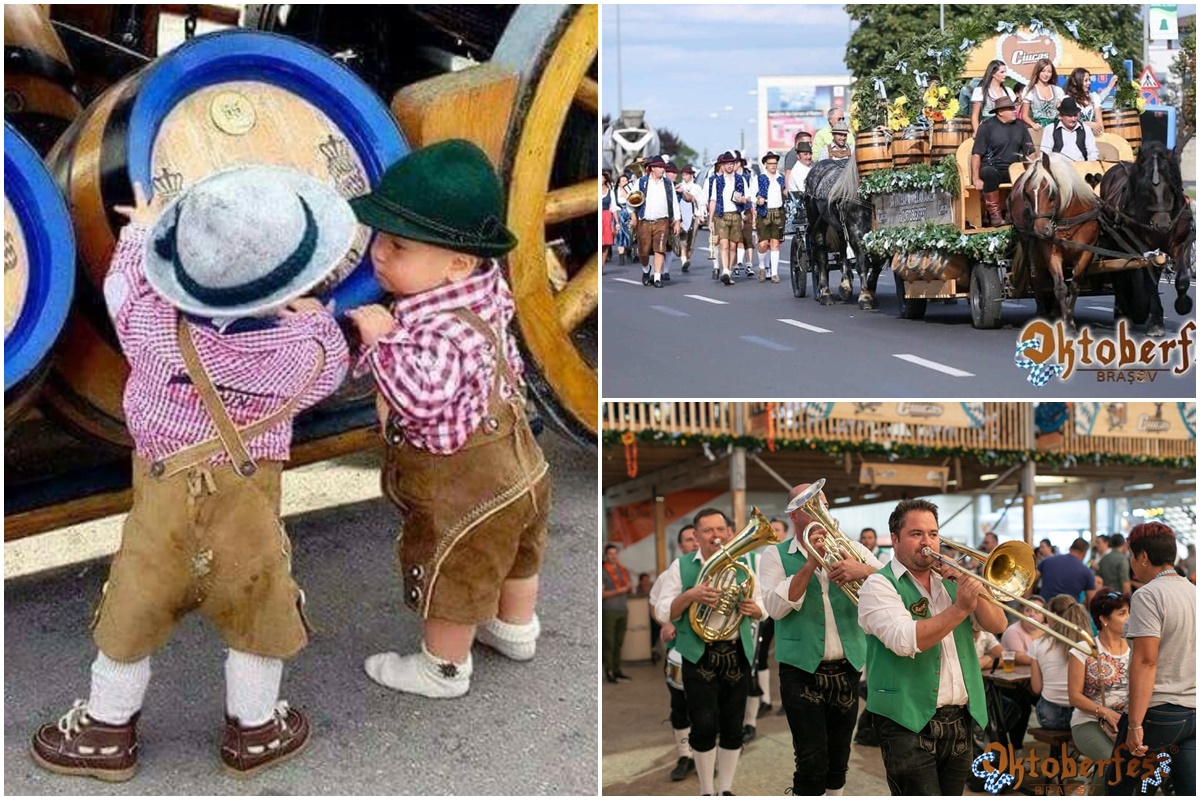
[[722, 572], [837, 545], [635, 199]]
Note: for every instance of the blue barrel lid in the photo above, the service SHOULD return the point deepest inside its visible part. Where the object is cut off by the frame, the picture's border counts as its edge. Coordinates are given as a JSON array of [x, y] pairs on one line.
[[232, 55], [50, 245]]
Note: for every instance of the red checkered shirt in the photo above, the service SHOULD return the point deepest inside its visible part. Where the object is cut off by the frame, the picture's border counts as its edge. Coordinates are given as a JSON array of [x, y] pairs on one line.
[[256, 365], [436, 371]]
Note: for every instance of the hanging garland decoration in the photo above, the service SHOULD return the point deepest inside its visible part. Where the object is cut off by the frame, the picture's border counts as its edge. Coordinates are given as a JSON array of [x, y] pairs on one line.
[[771, 427], [894, 452], [630, 442], [941, 176], [945, 239]]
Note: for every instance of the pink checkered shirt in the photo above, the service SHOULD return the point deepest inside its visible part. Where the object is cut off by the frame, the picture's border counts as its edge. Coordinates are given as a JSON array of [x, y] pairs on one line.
[[436, 371], [256, 365]]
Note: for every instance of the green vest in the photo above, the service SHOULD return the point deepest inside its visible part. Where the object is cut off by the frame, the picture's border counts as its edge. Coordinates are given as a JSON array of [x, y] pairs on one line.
[[800, 636], [689, 645], [905, 689]]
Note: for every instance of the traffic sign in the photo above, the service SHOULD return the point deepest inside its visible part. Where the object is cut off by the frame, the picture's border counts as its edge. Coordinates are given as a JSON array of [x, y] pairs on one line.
[[1148, 80]]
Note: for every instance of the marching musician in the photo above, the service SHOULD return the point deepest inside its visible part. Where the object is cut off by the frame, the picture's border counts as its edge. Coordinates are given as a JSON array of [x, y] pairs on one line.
[[769, 203], [821, 651], [923, 679], [725, 196], [745, 251], [689, 194], [715, 676], [679, 713], [672, 173], [656, 218]]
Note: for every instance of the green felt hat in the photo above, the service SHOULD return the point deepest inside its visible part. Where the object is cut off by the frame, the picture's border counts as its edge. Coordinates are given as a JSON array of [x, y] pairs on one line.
[[446, 195]]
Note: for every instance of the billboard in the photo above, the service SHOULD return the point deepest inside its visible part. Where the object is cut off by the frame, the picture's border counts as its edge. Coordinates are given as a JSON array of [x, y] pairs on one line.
[[791, 103]]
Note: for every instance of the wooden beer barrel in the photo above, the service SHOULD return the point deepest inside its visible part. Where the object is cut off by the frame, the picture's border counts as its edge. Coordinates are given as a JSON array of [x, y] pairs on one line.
[[39, 83], [947, 136], [872, 151], [1126, 123], [227, 98], [910, 149], [39, 271]]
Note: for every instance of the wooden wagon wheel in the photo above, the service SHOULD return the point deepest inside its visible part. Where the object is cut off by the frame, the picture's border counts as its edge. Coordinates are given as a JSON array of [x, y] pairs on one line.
[[551, 171]]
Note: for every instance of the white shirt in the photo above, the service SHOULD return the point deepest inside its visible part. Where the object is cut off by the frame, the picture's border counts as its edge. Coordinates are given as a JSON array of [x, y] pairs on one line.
[[882, 614], [797, 176], [655, 595], [1070, 144], [774, 193], [1052, 657], [728, 206], [672, 587], [656, 200], [688, 210], [776, 583]]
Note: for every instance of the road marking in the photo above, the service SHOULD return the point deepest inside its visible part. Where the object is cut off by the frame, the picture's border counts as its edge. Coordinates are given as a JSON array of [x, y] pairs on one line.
[[795, 323], [921, 362], [674, 312], [707, 299], [767, 343], [627, 280]]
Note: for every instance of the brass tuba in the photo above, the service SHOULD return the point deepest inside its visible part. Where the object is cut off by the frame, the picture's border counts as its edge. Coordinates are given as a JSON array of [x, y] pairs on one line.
[[712, 624], [837, 545], [635, 199]]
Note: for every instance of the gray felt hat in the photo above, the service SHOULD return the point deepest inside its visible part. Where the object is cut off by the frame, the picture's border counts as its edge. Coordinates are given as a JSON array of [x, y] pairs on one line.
[[247, 240]]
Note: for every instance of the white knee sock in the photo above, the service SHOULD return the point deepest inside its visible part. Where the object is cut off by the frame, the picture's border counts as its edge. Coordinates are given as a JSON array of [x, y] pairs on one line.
[[118, 689], [751, 716], [727, 768], [706, 762], [681, 742], [251, 687], [764, 683], [774, 262], [741, 253]]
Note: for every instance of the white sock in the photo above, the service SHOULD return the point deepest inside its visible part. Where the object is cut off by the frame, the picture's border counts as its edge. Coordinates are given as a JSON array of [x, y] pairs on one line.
[[681, 742], [774, 262], [118, 689], [727, 767], [706, 762], [420, 673], [751, 717], [645, 270], [741, 253], [764, 683], [251, 687], [518, 642]]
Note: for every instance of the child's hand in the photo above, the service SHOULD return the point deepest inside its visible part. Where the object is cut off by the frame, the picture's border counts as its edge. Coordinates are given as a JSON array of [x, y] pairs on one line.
[[373, 322], [141, 212], [304, 305]]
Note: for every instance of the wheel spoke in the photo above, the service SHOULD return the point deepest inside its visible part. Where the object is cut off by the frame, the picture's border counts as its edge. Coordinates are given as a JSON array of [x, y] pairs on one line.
[[588, 95], [579, 299], [556, 271], [579, 200]]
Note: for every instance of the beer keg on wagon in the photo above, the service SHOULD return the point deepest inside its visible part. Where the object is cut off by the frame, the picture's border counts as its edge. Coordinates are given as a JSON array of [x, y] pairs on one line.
[[39, 83], [39, 271], [220, 100]]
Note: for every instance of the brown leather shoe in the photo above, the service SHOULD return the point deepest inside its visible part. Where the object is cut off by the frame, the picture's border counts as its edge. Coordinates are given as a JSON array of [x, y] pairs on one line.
[[247, 751], [80, 745]]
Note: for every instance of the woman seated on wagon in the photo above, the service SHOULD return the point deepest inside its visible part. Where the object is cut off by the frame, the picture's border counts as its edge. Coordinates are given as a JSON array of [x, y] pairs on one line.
[[1039, 109], [1078, 86], [990, 89]]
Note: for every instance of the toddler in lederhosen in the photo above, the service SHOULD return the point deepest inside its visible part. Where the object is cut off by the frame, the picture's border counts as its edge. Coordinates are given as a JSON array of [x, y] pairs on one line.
[[462, 465], [207, 299]]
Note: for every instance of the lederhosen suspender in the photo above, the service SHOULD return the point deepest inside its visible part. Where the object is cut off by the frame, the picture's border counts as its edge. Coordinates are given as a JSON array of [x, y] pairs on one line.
[[229, 439]]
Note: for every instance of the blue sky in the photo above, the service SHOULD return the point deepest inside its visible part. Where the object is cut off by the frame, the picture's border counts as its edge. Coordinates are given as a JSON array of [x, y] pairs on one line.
[[694, 68]]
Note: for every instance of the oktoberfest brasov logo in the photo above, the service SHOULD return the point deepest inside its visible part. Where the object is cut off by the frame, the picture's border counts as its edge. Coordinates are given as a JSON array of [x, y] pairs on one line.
[[1047, 350], [1000, 767]]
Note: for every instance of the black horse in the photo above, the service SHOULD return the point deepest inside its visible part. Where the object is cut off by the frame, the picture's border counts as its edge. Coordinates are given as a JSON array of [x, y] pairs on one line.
[[838, 217], [1146, 208]]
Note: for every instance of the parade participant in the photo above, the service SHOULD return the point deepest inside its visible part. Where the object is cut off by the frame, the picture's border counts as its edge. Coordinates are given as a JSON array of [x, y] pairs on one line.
[[1098, 689], [1003, 141], [990, 90], [673, 238], [1161, 715], [1079, 89], [725, 218], [838, 148], [657, 217], [924, 683], [608, 221], [453, 415], [624, 233], [1039, 103], [745, 250], [1069, 136], [769, 201], [1049, 664], [689, 196], [824, 137], [793, 155], [715, 676], [1067, 574], [206, 296], [821, 651], [614, 610], [680, 724], [799, 172]]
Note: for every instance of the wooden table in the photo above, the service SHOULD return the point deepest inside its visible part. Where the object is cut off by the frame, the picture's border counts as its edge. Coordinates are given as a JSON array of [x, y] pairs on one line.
[[993, 682]]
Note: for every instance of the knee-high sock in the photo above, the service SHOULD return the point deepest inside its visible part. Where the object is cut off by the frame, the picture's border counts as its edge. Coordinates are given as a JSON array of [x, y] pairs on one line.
[[764, 681], [774, 263], [681, 742], [751, 716], [726, 768], [251, 687], [706, 763], [741, 252], [118, 689]]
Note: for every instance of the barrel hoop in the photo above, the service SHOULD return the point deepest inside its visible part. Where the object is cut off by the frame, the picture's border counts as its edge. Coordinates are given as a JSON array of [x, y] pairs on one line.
[[25, 61]]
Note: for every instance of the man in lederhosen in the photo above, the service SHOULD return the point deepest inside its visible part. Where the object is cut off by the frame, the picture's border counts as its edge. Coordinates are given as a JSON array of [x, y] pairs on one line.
[[769, 205], [689, 195], [745, 251], [656, 218], [727, 192]]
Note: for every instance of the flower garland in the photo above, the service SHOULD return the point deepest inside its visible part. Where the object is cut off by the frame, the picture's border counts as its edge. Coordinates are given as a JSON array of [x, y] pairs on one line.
[[941, 176], [939, 104], [947, 239], [897, 114], [892, 451]]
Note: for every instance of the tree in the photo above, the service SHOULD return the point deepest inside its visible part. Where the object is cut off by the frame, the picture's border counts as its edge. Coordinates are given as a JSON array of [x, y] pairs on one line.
[[1184, 68], [881, 27], [675, 147]]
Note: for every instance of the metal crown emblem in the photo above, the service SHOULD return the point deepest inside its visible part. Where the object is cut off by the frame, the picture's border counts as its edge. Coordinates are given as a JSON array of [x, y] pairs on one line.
[[167, 184]]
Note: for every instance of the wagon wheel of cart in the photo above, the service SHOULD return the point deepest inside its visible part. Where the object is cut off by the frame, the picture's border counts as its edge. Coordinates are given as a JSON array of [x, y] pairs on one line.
[[799, 259], [551, 173]]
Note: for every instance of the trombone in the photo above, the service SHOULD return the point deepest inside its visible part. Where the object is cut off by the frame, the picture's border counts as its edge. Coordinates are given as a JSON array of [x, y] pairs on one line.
[[837, 544], [1009, 571]]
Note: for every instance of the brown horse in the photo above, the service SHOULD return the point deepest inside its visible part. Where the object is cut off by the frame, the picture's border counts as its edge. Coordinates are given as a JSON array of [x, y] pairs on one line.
[[1052, 208]]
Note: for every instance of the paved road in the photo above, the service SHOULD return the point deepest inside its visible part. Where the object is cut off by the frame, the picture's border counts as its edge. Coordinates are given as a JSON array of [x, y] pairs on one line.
[[762, 341], [523, 729]]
